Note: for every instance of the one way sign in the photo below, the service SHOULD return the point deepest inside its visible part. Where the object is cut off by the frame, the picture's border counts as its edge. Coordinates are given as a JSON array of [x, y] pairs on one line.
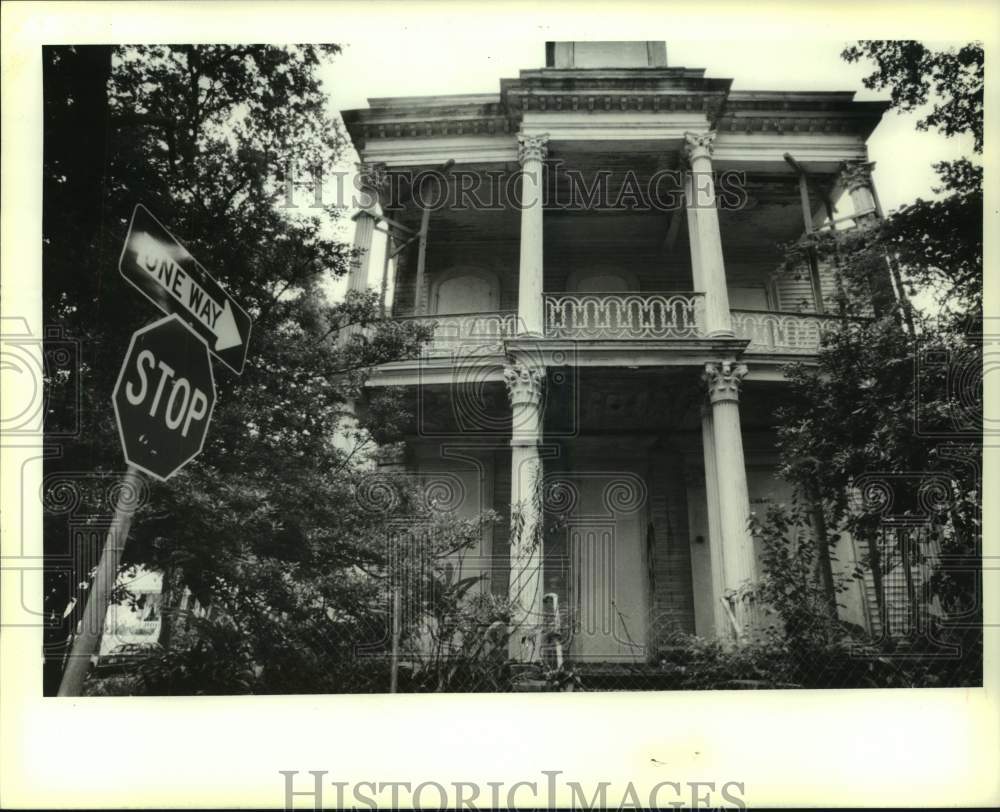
[[155, 262]]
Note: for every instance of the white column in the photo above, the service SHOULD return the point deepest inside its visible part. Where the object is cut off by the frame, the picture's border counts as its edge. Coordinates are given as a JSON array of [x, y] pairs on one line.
[[524, 385], [857, 177], [739, 566], [344, 437], [364, 229], [708, 267], [723, 628], [531, 153], [372, 179], [886, 287]]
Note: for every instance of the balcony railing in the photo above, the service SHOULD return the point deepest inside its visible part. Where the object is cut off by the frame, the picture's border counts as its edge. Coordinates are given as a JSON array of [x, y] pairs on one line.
[[771, 332], [458, 330], [626, 316], [623, 315]]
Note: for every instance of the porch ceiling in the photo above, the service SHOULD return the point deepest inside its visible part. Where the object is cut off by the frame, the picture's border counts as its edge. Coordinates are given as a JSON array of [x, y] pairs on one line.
[[625, 401], [587, 401], [772, 214]]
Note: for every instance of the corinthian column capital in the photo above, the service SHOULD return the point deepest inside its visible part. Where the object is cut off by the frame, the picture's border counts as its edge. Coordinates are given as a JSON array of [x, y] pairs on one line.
[[373, 177], [856, 174], [723, 380], [532, 147], [524, 383], [698, 145]]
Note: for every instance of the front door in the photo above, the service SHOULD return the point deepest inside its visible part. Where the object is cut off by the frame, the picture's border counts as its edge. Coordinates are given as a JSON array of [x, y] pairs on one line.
[[607, 589]]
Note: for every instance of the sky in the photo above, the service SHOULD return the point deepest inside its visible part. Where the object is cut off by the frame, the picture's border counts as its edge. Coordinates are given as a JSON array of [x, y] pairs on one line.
[[397, 65]]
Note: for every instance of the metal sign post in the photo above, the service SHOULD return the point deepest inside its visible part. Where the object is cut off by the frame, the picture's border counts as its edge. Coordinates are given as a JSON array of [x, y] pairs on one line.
[[88, 641]]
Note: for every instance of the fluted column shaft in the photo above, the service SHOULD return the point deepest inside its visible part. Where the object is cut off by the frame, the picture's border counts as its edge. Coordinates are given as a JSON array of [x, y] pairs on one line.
[[723, 628], [364, 229], [707, 265], [532, 151], [524, 385], [357, 280], [738, 561]]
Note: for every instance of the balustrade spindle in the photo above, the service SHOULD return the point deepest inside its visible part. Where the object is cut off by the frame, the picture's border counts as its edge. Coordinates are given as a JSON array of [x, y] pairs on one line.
[[623, 315]]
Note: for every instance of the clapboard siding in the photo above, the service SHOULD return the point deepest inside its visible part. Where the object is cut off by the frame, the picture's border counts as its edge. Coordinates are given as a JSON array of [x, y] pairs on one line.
[[828, 286], [795, 293]]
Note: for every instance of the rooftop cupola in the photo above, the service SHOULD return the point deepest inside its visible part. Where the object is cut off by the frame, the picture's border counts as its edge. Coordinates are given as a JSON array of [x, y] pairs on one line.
[[606, 54]]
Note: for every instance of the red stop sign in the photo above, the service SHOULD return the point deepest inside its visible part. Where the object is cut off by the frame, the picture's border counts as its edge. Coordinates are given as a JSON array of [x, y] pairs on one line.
[[164, 397]]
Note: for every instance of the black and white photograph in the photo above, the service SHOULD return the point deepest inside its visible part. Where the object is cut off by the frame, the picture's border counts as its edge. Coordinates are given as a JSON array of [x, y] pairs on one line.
[[416, 357]]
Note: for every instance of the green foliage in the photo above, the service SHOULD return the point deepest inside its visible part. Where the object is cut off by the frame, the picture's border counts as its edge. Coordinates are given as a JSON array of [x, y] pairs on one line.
[[464, 645], [265, 526], [281, 653], [884, 430], [791, 588], [951, 81], [769, 662], [937, 244], [880, 437], [458, 631], [216, 658]]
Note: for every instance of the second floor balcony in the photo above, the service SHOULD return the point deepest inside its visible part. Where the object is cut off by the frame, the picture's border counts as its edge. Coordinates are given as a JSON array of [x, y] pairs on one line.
[[624, 315], [660, 282], [629, 316]]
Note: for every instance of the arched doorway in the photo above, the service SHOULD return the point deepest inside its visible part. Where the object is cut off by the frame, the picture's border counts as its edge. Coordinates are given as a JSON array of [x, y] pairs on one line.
[[466, 292]]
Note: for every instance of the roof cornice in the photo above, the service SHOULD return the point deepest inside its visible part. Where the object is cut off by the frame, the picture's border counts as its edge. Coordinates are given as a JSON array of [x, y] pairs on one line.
[[613, 90]]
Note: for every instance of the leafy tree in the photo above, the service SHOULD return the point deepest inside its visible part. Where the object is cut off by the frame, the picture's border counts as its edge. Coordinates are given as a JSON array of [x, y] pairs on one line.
[[881, 437], [951, 81], [265, 526], [936, 244]]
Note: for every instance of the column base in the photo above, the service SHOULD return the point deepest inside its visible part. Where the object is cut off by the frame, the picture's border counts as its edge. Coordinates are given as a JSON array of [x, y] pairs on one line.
[[524, 645], [739, 619]]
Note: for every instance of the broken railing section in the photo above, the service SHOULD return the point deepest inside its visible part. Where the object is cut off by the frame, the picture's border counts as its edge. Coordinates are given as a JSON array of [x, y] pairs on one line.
[[782, 332], [453, 330]]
